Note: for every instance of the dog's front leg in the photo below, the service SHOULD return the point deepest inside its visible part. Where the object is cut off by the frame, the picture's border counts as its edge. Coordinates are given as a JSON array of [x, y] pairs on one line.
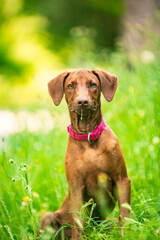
[[124, 196], [76, 201]]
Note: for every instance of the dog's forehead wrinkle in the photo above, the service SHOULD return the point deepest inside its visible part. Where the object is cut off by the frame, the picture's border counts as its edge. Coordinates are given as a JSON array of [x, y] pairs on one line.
[[80, 72], [81, 76]]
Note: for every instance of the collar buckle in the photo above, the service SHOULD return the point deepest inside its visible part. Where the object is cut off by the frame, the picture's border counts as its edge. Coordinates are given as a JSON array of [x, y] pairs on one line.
[[89, 136]]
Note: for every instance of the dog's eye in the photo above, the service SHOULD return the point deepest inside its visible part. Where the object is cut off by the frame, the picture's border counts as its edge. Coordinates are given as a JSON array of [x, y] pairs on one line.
[[70, 86], [92, 84]]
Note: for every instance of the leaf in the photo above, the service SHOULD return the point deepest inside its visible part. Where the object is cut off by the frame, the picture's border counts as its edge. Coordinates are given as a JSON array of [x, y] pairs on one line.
[[132, 221], [127, 206]]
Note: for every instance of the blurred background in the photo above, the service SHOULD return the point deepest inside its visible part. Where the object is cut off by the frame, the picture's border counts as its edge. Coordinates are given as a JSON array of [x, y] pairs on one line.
[[40, 39]]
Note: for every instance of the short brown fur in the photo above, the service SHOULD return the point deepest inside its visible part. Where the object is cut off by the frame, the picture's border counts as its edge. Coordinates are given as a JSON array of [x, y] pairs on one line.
[[92, 170]]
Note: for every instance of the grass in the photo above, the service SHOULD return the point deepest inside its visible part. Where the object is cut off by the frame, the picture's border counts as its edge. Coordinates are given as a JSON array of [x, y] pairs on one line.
[[135, 118]]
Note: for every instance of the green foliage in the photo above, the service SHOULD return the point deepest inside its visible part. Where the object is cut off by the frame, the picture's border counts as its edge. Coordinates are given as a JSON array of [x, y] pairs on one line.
[[65, 15], [36, 36], [23, 44], [15, 197]]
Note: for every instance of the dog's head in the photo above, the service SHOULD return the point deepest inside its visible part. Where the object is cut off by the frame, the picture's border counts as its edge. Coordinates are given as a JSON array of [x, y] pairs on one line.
[[82, 88]]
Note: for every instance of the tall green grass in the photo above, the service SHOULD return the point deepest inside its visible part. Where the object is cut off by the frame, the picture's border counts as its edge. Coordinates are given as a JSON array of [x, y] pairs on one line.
[[134, 116]]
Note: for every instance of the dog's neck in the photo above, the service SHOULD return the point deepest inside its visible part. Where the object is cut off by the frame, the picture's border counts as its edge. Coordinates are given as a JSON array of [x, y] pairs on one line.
[[87, 122]]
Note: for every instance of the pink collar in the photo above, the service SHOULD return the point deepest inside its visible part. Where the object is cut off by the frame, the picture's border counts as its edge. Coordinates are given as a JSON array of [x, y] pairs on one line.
[[92, 136]]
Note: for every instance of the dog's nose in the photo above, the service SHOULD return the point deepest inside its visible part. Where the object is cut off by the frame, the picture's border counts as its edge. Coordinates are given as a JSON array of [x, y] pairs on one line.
[[82, 102]]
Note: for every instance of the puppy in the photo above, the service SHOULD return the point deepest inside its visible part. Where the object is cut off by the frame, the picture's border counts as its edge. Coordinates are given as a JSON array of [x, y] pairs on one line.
[[94, 163]]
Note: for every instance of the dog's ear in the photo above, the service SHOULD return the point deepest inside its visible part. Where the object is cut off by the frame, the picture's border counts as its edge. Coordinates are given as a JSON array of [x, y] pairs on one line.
[[55, 87], [108, 82]]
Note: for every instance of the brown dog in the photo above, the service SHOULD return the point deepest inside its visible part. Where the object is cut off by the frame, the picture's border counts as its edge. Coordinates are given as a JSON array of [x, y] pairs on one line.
[[95, 168]]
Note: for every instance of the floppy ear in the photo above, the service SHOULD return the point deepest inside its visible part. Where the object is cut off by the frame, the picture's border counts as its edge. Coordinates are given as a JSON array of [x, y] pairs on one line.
[[108, 82], [55, 87]]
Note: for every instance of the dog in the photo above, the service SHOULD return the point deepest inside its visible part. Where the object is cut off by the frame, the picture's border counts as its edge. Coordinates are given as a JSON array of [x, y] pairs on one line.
[[94, 162]]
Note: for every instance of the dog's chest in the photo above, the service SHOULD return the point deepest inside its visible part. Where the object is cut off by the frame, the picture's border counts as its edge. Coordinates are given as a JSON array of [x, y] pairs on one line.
[[96, 160], [89, 159]]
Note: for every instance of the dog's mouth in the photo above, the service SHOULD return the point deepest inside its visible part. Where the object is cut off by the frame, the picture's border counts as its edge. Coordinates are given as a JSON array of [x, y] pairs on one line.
[[83, 110]]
